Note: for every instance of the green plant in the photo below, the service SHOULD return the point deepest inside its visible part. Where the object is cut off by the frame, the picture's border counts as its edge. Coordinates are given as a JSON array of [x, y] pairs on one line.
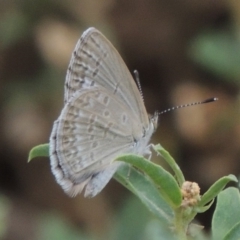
[[174, 201]]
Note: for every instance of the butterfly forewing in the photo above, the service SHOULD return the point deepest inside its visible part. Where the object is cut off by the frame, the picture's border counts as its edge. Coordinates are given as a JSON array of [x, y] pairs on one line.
[[96, 62]]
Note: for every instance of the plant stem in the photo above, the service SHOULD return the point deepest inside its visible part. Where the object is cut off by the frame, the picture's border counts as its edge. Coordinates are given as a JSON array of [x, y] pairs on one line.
[[180, 227]]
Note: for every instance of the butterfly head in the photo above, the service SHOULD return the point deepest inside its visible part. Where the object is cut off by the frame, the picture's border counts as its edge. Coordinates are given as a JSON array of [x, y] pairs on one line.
[[154, 121]]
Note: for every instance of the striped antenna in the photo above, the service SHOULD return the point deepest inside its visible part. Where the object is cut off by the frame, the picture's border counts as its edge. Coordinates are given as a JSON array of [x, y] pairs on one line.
[[188, 105], [136, 73]]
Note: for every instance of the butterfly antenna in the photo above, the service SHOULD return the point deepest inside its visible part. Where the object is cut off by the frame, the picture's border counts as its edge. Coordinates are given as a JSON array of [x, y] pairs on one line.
[[138, 83], [189, 105]]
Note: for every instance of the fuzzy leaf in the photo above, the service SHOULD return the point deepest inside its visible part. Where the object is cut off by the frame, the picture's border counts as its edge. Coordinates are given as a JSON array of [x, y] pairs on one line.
[[39, 151], [215, 189], [227, 214], [165, 182], [146, 191]]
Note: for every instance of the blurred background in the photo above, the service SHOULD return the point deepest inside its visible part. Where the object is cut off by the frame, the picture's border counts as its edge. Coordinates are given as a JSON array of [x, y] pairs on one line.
[[185, 51]]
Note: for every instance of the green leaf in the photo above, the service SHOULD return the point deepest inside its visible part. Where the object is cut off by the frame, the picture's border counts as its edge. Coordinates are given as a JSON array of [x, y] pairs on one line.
[[172, 163], [166, 183], [146, 191], [39, 151], [227, 214], [234, 233], [204, 208], [215, 189]]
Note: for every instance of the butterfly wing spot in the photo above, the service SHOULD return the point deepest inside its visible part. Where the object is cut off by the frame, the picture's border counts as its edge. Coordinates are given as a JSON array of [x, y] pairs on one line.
[[89, 55], [90, 129], [98, 62], [104, 53], [106, 113], [106, 100], [124, 118], [79, 62], [92, 119], [94, 144], [81, 66], [107, 128], [78, 81], [95, 72], [81, 81], [95, 42], [92, 137]]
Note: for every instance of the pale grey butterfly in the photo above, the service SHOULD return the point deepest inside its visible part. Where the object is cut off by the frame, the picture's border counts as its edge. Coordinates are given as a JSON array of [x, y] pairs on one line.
[[103, 117]]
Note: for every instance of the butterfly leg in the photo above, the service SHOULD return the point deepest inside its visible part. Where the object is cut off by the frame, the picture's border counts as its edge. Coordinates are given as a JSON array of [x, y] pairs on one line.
[[148, 152]]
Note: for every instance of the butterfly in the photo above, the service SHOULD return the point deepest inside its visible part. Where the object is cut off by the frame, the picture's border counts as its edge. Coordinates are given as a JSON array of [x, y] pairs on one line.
[[103, 117]]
